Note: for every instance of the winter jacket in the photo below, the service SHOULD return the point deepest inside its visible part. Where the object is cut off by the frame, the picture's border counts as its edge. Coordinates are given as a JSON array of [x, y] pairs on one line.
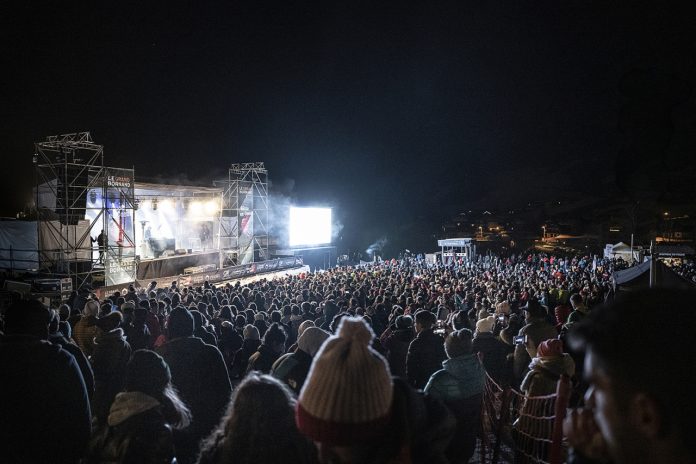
[[262, 360], [111, 355], [229, 343], [84, 333], [42, 394], [521, 357], [136, 432], [495, 353], [80, 358], [425, 355], [200, 375], [241, 357], [396, 344], [292, 369], [460, 386], [139, 336], [544, 373], [459, 378]]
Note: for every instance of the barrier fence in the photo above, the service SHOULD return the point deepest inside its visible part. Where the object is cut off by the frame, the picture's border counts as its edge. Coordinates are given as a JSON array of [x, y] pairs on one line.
[[522, 429]]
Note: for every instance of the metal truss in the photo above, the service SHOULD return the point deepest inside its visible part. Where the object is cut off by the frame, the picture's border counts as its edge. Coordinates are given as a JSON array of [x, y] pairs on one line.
[[244, 214], [75, 198]]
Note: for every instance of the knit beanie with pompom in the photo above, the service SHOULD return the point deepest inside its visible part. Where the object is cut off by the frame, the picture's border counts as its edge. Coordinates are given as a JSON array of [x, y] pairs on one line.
[[347, 397]]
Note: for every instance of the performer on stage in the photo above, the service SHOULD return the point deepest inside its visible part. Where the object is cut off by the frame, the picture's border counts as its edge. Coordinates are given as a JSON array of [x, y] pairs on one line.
[[101, 242]]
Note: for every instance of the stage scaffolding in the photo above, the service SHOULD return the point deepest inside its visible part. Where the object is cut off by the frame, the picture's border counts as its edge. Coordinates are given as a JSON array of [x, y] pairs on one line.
[[244, 214], [70, 173]]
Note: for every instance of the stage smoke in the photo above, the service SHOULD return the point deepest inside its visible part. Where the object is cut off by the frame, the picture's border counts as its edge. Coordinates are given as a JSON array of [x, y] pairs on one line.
[[377, 246]]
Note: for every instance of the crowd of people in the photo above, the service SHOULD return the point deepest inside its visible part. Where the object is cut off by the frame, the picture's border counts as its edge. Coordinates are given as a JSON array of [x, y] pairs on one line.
[[379, 363]]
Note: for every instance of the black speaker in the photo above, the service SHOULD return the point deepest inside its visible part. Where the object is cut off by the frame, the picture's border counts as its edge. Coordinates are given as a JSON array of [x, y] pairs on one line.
[[71, 199]]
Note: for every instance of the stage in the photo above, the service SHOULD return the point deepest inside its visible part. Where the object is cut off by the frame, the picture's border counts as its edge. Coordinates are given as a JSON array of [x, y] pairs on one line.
[[176, 265]]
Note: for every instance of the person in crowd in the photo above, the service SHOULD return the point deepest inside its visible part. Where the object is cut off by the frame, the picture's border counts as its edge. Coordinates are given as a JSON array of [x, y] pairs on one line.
[[137, 331], [269, 351], [293, 367], [200, 375], [261, 409], [229, 343], [639, 364], [152, 320], [579, 309], [141, 418], [546, 368], [85, 330], [535, 331], [304, 325], [109, 360], [200, 331], [44, 407], [459, 384], [57, 337], [356, 413], [397, 343], [250, 345], [64, 326], [493, 351], [260, 323], [426, 352]]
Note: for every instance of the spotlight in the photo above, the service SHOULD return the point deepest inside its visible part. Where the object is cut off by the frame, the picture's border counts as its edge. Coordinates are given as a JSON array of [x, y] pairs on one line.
[[167, 205], [211, 207]]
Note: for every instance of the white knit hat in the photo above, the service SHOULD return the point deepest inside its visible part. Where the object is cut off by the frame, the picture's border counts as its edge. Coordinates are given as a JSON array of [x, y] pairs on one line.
[[91, 308], [486, 324], [348, 394]]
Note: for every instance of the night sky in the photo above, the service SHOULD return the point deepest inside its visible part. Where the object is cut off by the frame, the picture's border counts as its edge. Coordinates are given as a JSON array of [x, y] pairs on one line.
[[396, 116]]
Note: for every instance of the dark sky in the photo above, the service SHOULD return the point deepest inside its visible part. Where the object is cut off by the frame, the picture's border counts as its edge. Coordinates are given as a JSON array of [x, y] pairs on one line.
[[396, 116]]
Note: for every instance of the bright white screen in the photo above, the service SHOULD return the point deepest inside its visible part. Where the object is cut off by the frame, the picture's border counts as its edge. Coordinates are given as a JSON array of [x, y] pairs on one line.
[[310, 226]]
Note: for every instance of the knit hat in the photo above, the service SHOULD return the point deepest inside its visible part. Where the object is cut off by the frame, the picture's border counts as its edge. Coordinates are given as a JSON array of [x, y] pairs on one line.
[[550, 348], [348, 394], [91, 308], [311, 339], [486, 324], [251, 332], [147, 372], [110, 321]]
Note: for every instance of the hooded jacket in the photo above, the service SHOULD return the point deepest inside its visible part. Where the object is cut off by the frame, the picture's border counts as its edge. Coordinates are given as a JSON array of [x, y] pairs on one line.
[[109, 360], [460, 378], [460, 386], [544, 373], [136, 432], [200, 375]]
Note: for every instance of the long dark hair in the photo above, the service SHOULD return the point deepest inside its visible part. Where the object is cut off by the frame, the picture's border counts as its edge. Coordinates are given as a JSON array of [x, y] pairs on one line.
[[260, 409]]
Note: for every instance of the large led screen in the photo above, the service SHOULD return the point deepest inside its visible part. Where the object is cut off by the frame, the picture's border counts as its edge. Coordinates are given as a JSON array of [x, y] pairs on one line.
[[310, 226]]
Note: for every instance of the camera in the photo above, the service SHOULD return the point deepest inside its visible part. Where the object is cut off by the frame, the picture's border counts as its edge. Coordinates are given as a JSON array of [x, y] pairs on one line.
[[520, 339]]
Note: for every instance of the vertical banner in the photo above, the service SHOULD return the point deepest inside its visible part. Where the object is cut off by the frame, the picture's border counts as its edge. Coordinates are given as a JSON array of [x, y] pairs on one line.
[[246, 223], [119, 220]]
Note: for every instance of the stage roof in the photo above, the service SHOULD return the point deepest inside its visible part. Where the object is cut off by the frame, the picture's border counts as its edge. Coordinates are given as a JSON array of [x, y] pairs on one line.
[[152, 189]]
